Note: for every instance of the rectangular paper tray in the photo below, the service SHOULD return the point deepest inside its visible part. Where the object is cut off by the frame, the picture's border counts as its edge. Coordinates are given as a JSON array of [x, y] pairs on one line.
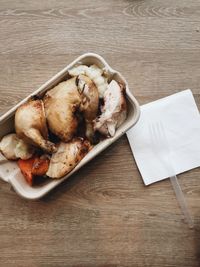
[[9, 170]]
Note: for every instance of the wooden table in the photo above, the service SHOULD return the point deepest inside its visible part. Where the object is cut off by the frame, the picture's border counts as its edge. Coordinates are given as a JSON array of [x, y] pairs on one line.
[[103, 215]]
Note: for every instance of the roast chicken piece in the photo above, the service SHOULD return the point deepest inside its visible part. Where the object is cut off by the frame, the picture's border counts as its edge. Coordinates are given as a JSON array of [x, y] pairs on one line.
[[30, 125], [114, 110], [62, 102], [67, 157], [89, 102]]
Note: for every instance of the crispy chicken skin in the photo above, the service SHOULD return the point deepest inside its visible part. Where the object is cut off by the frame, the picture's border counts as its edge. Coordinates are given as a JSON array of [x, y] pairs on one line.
[[60, 104], [30, 125], [114, 110], [67, 157], [90, 102]]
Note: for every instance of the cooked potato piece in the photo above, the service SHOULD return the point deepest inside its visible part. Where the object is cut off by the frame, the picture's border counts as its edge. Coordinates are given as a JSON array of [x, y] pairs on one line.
[[81, 69], [14, 148], [23, 150], [67, 157], [95, 74], [7, 146]]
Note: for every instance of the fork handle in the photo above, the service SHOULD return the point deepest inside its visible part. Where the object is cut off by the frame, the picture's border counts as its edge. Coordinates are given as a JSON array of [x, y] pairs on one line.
[[181, 200]]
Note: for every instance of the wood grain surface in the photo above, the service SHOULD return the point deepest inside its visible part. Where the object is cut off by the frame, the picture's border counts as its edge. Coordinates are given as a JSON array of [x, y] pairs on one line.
[[103, 215]]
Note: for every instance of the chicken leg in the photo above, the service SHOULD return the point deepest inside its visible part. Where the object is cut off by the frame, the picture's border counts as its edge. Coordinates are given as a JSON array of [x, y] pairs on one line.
[[30, 125]]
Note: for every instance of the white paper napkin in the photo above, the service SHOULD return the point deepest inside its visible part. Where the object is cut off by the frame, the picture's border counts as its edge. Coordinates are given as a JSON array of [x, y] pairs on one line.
[[181, 119]]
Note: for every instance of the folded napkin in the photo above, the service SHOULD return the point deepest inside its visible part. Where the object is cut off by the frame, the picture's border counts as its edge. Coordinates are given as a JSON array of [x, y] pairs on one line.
[[181, 119]]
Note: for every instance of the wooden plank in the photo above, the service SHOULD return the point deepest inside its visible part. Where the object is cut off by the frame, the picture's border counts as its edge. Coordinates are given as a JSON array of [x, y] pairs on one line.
[[103, 215]]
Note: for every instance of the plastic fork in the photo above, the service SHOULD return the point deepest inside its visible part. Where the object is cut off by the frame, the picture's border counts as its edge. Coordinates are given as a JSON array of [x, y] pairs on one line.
[[162, 150]]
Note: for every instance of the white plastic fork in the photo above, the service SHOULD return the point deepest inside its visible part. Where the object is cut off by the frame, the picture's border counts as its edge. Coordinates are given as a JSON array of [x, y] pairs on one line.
[[162, 150]]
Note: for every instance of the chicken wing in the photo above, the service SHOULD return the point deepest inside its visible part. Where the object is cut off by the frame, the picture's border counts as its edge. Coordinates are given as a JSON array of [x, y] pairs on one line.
[[30, 125], [67, 157]]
